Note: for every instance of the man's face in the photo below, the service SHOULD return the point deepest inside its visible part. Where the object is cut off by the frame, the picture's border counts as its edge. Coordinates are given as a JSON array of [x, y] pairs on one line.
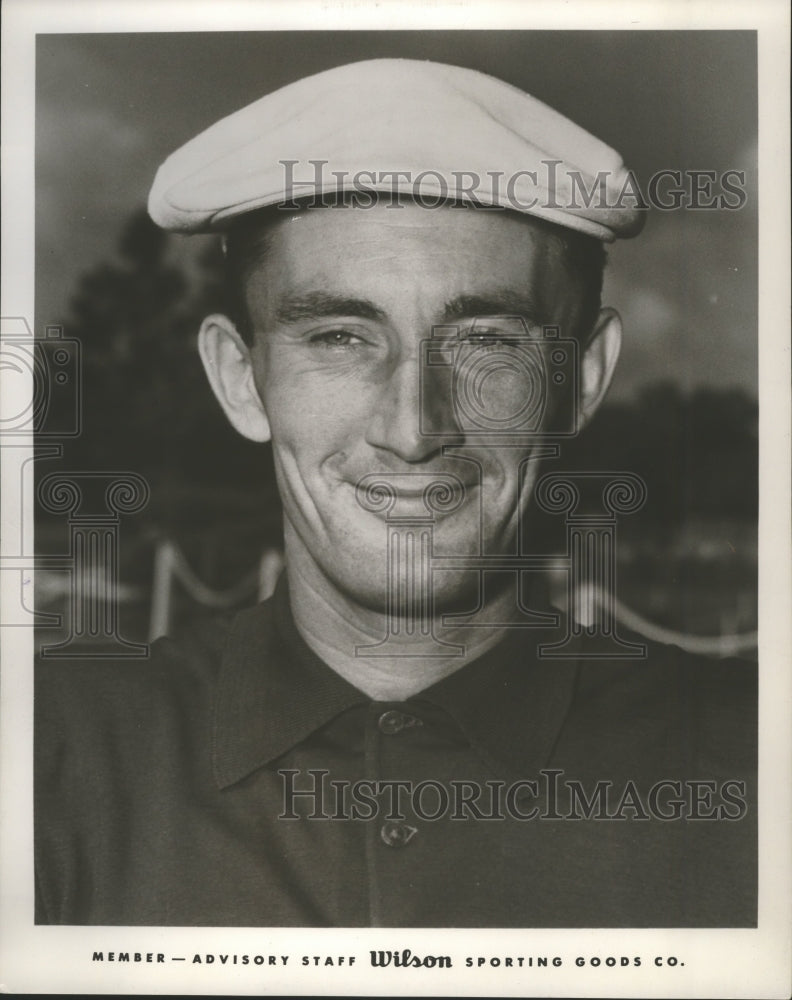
[[339, 308]]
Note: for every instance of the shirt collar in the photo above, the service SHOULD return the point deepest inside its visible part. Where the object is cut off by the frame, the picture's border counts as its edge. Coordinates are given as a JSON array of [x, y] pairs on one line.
[[274, 691]]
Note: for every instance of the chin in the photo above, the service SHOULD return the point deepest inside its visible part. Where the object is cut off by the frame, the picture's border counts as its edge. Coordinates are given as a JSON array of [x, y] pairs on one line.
[[452, 591], [354, 560]]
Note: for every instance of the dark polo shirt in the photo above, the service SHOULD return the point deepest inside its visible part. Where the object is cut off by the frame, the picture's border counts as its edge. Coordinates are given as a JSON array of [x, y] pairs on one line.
[[234, 779]]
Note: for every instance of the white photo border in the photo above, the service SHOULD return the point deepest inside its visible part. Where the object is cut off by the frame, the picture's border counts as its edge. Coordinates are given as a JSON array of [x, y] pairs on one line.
[[733, 962]]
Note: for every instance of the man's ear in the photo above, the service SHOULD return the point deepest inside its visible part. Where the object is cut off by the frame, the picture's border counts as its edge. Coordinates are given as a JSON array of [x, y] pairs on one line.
[[600, 355], [229, 368]]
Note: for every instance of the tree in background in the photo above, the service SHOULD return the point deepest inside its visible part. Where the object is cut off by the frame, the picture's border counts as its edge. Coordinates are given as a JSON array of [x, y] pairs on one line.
[[147, 406], [697, 452]]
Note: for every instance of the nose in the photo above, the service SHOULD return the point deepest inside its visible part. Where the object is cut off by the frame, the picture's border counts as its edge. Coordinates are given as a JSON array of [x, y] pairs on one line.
[[413, 417]]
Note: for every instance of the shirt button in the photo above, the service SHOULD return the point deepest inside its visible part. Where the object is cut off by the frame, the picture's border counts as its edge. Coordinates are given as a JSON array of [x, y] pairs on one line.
[[395, 833], [393, 722]]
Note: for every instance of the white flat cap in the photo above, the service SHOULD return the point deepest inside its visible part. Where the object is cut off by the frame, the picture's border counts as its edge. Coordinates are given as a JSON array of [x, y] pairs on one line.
[[420, 129]]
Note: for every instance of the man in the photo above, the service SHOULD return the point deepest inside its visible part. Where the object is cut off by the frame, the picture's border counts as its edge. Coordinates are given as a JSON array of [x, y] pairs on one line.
[[405, 734]]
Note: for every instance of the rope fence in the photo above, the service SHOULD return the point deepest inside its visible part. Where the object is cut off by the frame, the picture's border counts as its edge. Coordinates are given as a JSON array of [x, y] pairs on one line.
[[171, 566], [717, 645]]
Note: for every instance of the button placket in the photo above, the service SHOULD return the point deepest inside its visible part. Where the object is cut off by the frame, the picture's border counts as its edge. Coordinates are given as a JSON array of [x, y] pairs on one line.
[[393, 721]]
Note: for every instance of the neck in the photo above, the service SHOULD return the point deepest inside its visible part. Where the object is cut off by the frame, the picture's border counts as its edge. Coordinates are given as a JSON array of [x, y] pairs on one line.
[[349, 637]]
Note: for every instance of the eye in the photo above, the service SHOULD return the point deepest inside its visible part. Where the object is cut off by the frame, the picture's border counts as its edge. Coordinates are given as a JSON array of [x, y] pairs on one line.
[[490, 338], [335, 338]]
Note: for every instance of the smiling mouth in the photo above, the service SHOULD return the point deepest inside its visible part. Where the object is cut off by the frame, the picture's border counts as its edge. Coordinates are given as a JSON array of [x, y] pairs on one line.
[[463, 488], [419, 494], [398, 494]]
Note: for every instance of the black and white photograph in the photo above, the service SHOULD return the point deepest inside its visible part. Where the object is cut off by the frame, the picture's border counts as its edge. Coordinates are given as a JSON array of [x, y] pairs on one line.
[[395, 543]]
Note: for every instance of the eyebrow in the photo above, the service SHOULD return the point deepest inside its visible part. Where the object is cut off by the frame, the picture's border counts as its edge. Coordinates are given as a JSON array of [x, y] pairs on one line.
[[504, 302], [319, 305], [316, 305]]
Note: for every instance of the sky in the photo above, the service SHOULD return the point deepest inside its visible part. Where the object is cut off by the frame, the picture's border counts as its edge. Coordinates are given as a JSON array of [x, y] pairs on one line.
[[111, 107]]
